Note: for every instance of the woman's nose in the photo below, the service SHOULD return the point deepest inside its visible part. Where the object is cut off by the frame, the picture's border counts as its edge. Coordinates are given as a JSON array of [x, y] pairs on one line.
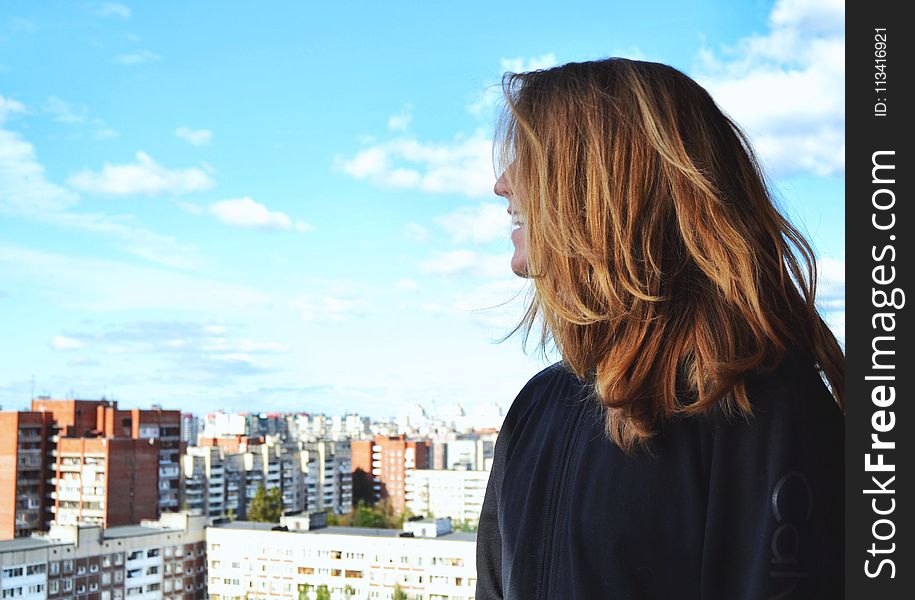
[[501, 188]]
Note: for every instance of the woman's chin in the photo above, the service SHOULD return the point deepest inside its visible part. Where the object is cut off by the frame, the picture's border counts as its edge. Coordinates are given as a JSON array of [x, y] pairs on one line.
[[519, 266]]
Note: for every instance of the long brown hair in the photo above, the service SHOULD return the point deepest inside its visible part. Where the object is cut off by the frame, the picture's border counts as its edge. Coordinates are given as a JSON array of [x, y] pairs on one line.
[[662, 270]]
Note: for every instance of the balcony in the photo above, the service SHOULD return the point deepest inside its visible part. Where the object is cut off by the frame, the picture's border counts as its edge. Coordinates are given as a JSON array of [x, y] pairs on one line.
[[168, 471]]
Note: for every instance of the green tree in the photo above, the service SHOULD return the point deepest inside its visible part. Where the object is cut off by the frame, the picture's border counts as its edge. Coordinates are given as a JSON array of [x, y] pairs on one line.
[[368, 516], [399, 594], [349, 591], [267, 505], [323, 593]]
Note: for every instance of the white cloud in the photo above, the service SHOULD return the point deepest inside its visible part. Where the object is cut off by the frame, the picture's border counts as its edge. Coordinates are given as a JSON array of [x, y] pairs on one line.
[[25, 192], [831, 285], [496, 305], [196, 137], [245, 212], [143, 177], [521, 65], [103, 286], [479, 224], [9, 106], [491, 95], [462, 166], [64, 112], [416, 232], [137, 58], [23, 187], [245, 346], [408, 284], [466, 262], [64, 343], [23, 25], [113, 9], [400, 121], [786, 88], [105, 134], [329, 308]]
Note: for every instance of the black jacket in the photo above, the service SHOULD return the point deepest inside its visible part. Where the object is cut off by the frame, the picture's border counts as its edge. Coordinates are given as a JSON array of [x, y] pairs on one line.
[[729, 509]]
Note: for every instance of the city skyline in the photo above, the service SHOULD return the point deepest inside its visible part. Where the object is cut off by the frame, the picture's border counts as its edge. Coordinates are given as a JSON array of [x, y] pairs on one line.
[[291, 210]]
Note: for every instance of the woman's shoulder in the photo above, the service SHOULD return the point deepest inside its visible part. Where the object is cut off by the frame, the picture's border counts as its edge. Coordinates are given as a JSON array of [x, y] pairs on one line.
[[555, 382], [794, 390]]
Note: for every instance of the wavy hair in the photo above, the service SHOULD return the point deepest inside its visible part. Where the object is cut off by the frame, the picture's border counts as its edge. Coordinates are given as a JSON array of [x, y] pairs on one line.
[[662, 270]]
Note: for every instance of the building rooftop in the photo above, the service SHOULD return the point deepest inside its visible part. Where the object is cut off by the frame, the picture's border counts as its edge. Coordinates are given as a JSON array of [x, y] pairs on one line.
[[27, 543], [124, 531], [457, 536]]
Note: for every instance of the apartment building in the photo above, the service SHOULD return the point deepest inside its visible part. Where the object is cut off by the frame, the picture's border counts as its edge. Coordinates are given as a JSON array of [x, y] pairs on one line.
[[27, 441], [472, 454], [455, 494], [221, 478], [328, 475], [427, 561], [156, 560], [387, 459], [103, 419], [211, 484], [107, 481]]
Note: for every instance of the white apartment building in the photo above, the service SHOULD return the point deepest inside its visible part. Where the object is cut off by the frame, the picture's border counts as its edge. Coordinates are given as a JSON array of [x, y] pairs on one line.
[[251, 561], [156, 560], [328, 475], [472, 454], [455, 494], [310, 475], [211, 484]]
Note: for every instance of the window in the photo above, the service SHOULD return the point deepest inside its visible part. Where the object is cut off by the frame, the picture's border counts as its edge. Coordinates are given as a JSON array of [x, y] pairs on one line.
[[81, 589], [68, 566], [80, 569], [93, 587], [152, 570], [106, 561], [135, 555], [68, 585], [119, 558], [152, 552], [93, 568], [53, 586], [54, 568], [34, 569], [12, 572]]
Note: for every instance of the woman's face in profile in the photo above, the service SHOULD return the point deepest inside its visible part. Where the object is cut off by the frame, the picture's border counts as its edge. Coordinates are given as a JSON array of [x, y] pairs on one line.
[[518, 235]]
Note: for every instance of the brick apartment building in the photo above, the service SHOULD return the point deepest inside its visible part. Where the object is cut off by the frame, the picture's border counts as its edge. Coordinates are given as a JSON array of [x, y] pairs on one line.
[[387, 459], [87, 460], [103, 418], [107, 481], [26, 442]]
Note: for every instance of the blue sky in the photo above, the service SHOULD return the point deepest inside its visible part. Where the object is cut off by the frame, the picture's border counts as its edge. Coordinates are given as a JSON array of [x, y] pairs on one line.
[[219, 205]]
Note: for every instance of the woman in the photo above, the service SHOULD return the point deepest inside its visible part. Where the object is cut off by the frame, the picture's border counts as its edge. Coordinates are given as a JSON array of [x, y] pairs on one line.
[[686, 446]]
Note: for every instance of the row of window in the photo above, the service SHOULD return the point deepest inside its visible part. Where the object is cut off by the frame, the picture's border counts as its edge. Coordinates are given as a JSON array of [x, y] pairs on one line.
[[35, 569]]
